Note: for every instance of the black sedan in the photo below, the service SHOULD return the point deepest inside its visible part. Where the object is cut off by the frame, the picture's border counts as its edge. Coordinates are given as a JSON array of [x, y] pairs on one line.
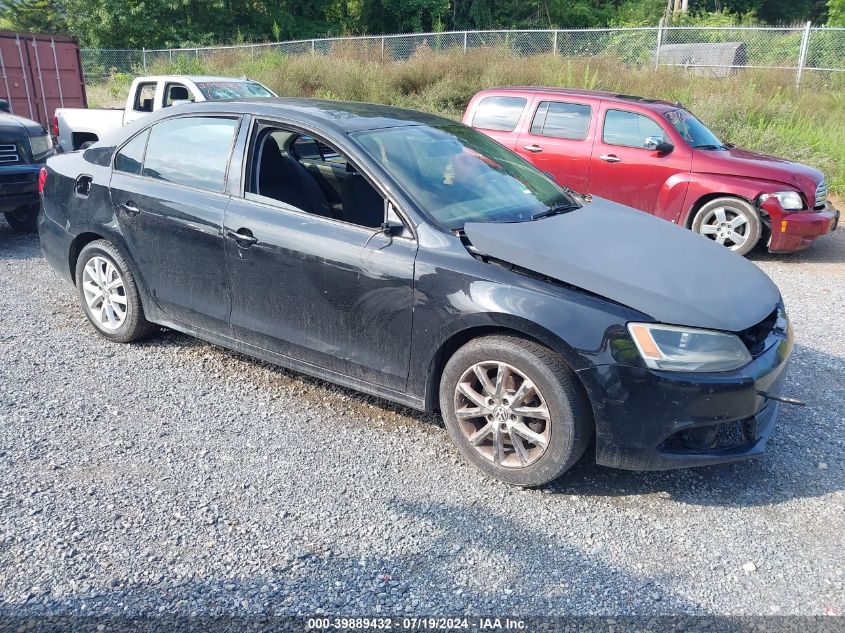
[[413, 258]]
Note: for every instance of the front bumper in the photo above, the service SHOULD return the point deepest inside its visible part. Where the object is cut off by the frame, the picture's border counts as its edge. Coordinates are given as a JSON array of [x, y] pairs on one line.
[[18, 187], [657, 420], [795, 231]]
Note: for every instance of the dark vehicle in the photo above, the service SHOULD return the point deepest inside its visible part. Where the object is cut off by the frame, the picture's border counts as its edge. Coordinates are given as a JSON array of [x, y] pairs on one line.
[[414, 258], [24, 146]]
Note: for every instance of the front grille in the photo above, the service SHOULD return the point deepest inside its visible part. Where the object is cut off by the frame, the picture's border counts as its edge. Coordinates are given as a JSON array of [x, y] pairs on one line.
[[9, 154], [821, 194]]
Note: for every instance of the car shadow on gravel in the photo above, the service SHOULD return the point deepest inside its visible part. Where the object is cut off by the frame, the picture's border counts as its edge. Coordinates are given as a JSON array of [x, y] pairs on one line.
[[474, 562], [17, 245], [827, 249]]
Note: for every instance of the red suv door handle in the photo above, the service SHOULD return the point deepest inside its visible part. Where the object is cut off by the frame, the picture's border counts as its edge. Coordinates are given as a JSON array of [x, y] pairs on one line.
[[533, 148], [610, 158]]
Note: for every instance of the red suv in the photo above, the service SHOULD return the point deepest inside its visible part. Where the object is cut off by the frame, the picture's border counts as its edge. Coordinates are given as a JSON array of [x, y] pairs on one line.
[[657, 157]]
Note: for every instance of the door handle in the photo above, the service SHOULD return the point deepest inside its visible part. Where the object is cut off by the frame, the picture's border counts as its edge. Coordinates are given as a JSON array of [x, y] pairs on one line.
[[243, 237], [130, 208], [532, 148], [610, 158]]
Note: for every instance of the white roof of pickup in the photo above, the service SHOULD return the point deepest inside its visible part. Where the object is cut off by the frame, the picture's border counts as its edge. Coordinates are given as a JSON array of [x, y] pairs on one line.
[[194, 78]]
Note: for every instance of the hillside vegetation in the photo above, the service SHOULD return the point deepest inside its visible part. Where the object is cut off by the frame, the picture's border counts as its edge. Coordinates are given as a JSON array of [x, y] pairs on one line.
[[755, 109]]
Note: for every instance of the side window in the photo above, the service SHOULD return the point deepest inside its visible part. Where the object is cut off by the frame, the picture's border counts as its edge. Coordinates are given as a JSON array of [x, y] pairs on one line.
[[192, 151], [144, 96], [498, 113], [131, 156], [629, 128], [306, 147], [176, 92], [296, 179], [562, 120]]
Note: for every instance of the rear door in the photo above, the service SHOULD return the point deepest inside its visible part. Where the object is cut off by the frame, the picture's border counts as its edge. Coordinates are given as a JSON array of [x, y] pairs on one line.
[[498, 116], [143, 101], [558, 139], [623, 170], [167, 189]]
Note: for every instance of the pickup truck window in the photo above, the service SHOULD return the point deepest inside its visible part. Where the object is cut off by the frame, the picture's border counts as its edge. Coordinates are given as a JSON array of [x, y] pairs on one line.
[[131, 156], [191, 151], [217, 90], [629, 129], [144, 97], [498, 113], [176, 92], [562, 120]]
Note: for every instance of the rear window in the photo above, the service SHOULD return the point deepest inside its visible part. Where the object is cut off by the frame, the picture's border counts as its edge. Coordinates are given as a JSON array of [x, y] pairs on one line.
[[562, 120], [498, 113], [190, 151]]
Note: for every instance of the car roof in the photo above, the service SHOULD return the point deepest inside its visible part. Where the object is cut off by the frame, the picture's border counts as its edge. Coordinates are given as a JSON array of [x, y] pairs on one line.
[[194, 78], [603, 95], [341, 116]]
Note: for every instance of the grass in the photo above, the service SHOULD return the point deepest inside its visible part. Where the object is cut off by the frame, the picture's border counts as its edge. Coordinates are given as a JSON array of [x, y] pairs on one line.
[[755, 109]]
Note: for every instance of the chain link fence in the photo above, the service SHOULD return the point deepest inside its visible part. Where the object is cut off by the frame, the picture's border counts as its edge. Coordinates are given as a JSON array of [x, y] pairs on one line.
[[718, 51]]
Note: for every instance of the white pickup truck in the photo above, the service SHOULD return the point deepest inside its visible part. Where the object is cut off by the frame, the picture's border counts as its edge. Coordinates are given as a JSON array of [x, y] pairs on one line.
[[74, 128]]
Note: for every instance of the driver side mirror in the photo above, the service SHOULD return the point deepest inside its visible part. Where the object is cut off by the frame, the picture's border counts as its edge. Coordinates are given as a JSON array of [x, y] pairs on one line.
[[657, 144], [392, 225]]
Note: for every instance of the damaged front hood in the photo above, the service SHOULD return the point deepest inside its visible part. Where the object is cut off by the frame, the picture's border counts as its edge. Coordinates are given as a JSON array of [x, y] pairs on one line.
[[649, 264]]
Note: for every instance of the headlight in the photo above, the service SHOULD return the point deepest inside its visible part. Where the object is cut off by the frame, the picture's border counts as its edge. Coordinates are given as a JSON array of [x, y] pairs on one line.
[[789, 200], [40, 145], [687, 349]]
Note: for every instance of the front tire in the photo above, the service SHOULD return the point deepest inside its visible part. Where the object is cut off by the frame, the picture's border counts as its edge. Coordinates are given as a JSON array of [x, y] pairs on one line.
[[515, 410], [731, 222], [108, 293], [23, 219]]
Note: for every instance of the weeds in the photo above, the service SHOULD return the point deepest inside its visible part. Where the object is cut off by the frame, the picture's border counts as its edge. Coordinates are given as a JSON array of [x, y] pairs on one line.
[[756, 109]]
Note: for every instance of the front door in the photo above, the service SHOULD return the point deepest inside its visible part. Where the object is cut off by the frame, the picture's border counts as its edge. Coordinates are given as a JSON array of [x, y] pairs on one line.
[[167, 191], [625, 171], [318, 284]]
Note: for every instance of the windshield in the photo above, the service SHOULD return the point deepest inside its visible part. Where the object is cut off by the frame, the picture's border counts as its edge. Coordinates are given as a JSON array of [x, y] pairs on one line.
[[694, 131], [218, 90], [459, 175]]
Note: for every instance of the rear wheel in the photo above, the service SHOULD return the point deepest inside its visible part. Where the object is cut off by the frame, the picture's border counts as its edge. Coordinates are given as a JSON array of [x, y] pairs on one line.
[[731, 222], [109, 294], [23, 219], [514, 409]]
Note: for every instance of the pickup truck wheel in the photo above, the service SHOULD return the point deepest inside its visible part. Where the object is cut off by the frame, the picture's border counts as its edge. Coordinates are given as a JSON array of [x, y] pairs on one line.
[[731, 222], [514, 409], [24, 219], [109, 294]]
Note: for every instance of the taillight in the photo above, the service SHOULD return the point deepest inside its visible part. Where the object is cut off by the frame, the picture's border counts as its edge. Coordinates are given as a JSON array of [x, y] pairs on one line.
[[42, 179], [56, 127]]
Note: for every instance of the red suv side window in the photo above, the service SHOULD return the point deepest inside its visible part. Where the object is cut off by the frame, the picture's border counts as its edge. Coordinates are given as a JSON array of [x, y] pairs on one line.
[[562, 120], [498, 113]]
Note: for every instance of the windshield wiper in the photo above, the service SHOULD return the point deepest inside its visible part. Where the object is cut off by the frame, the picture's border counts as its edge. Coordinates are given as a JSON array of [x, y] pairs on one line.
[[556, 210], [708, 146]]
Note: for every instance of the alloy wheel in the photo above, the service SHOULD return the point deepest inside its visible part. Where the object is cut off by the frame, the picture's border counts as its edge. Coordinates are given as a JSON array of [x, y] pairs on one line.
[[726, 226], [105, 293], [502, 414]]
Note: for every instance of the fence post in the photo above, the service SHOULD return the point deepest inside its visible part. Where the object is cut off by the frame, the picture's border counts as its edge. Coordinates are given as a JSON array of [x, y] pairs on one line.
[[382, 49], [659, 43], [313, 46], [802, 54], [465, 42], [554, 44], [144, 57]]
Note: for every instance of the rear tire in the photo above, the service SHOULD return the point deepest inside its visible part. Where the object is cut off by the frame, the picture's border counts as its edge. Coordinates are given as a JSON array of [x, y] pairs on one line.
[[527, 422], [109, 294], [731, 222], [23, 219]]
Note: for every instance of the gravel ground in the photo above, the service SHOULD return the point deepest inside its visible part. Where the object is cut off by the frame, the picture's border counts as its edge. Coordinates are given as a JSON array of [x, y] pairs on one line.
[[176, 477]]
